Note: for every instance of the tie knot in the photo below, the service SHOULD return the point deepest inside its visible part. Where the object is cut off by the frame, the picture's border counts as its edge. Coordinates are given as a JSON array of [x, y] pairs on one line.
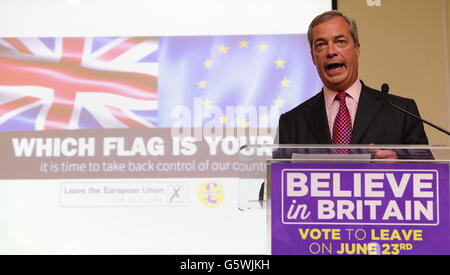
[[341, 96]]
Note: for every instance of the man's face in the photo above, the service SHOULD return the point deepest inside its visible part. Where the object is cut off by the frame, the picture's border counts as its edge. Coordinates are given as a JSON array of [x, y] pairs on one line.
[[335, 54]]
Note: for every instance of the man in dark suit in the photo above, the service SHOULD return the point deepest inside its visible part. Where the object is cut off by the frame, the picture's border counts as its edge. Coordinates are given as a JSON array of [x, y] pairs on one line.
[[376, 121], [345, 100]]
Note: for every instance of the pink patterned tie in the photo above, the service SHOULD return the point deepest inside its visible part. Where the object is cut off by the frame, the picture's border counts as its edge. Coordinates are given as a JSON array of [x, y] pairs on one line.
[[342, 127]]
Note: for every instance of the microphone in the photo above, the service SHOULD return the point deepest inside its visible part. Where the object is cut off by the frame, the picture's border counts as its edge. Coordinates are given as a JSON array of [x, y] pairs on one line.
[[385, 91], [385, 88]]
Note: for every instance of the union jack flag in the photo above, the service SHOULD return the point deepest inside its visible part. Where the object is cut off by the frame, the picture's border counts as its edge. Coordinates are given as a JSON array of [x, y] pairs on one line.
[[78, 83]]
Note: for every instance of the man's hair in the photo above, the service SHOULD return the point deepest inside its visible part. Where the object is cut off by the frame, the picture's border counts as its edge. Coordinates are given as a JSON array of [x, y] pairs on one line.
[[328, 16]]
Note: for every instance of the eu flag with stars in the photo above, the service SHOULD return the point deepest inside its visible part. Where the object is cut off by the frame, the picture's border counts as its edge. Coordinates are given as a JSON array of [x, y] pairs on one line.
[[233, 81]]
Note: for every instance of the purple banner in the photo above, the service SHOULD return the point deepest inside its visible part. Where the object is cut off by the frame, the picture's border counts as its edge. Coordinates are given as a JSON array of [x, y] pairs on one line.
[[360, 208]]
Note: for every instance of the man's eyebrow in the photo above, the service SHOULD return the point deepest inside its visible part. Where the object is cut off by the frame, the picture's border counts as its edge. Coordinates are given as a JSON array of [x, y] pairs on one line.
[[319, 39], [334, 38], [340, 36]]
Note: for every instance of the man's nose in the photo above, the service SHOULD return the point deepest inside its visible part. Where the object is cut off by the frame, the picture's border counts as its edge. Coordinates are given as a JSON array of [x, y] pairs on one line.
[[331, 50]]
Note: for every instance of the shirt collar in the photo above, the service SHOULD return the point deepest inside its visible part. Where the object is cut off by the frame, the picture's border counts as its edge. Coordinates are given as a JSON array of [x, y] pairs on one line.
[[353, 91]]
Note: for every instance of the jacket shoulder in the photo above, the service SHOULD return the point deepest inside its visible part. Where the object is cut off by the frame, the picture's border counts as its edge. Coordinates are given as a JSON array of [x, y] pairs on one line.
[[306, 105], [392, 97]]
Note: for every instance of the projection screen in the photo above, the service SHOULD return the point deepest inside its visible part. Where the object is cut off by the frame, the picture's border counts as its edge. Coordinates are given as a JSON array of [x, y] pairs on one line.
[[121, 122]]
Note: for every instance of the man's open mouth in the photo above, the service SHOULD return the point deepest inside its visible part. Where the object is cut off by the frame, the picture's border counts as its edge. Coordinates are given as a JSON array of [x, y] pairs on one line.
[[333, 66]]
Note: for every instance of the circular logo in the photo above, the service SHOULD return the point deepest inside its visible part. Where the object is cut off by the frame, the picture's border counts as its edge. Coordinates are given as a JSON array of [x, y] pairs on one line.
[[210, 194]]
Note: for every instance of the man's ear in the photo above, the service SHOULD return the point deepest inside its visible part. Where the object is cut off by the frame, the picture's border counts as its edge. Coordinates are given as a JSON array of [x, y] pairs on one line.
[[312, 56], [357, 48]]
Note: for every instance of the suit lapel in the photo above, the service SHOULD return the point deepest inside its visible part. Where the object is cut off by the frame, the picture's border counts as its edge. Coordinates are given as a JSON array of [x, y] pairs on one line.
[[317, 119], [369, 106]]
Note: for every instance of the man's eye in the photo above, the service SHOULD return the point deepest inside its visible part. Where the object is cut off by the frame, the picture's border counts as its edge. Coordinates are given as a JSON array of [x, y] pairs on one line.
[[319, 45]]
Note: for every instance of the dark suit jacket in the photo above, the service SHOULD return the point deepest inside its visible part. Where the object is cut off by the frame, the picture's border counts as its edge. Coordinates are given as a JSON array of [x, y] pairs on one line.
[[376, 121]]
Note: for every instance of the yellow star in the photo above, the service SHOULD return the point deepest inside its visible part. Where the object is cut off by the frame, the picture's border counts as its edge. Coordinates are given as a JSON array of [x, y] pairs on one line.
[[207, 64], [206, 103], [223, 49], [202, 84], [244, 124], [285, 82], [279, 102], [263, 47], [280, 63], [224, 120], [264, 117], [243, 43]]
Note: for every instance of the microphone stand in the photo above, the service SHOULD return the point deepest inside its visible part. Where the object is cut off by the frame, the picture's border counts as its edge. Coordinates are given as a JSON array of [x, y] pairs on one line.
[[385, 90]]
